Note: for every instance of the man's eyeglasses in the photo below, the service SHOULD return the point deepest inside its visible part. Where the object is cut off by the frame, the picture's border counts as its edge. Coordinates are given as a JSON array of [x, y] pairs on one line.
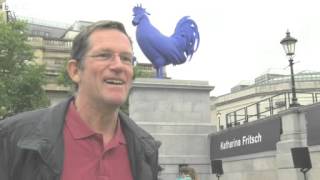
[[126, 58]]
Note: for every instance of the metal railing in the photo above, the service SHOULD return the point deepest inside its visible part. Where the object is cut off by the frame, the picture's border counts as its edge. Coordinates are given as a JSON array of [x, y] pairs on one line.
[[58, 44], [268, 107]]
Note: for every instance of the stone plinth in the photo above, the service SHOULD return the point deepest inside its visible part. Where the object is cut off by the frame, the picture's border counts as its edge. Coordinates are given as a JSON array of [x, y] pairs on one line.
[[176, 112], [294, 135]]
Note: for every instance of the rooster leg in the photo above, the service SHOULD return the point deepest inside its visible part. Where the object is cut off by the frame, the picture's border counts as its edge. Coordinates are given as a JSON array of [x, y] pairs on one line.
[[159, 73]]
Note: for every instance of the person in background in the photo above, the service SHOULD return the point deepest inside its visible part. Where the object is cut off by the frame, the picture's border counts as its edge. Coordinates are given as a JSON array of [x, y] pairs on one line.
[[86, 136], [187, 173]]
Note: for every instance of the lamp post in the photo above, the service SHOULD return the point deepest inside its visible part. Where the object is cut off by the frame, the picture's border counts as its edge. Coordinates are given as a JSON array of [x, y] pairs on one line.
[[219, 116], [288, 44]]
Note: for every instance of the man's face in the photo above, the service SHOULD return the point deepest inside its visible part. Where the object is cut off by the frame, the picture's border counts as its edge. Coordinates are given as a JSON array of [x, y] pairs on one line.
[[107, 72]]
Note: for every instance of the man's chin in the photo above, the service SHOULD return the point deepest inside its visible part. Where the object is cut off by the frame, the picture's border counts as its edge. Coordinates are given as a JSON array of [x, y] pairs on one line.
[[117, 102]]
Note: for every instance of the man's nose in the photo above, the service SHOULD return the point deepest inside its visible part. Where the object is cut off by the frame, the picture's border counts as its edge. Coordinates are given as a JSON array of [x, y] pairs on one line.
[[116, 62]]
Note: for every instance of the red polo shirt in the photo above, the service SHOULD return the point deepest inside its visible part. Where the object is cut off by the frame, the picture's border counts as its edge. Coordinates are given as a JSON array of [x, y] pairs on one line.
[[87, 158]]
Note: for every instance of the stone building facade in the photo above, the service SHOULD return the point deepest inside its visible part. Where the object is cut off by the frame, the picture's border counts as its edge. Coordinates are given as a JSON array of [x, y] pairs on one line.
[[271, 86]]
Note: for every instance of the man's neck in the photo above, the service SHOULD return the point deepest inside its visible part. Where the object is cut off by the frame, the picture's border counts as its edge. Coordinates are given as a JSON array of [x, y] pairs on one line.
[[100, 119]]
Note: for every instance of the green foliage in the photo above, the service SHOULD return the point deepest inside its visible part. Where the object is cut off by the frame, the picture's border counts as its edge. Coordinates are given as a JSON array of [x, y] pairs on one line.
[[64, 79], [21, 79], [140, 73]]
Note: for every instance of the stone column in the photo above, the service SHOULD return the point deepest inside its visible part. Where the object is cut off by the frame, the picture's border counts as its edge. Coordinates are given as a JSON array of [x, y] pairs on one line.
[[294, 135], [177, 113]]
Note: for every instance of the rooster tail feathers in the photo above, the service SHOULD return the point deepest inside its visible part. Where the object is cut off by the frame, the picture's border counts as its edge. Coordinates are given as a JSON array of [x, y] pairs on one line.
[[187, 31]]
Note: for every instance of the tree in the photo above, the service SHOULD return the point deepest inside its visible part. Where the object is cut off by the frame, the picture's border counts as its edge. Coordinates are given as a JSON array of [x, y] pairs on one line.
[[21, 79], [64, 79]]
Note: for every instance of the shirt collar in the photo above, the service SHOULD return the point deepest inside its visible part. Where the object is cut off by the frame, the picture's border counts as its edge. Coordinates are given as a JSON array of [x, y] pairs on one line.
[[119, 136], [80, 130], [76, 125]]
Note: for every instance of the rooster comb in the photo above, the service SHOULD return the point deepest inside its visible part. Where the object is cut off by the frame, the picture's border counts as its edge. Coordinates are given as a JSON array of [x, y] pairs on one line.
[[139, 7]]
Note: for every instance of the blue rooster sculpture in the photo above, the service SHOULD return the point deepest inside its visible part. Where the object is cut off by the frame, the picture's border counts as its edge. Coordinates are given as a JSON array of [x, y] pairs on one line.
[[160, 49]]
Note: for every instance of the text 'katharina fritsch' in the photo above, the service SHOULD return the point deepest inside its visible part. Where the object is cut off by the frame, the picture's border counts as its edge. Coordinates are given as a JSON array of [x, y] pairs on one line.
[[243, 141]]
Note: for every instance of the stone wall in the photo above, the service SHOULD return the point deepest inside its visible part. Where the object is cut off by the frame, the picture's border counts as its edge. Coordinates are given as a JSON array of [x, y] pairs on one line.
[[177, 113]]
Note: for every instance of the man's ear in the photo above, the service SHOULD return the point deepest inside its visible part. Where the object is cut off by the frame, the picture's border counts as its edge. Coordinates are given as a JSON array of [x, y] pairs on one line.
[[73, 70]]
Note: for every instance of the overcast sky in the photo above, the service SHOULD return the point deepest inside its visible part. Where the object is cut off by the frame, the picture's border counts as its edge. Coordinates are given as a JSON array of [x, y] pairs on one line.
[[240, 40]]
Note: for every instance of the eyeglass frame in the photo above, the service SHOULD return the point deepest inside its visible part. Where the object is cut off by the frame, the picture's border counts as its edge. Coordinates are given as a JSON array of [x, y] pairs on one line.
[[110, 55]]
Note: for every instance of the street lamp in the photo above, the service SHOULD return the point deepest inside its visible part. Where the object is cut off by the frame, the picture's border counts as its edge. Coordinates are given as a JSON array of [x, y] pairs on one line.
[[288, 44], [219, 116]]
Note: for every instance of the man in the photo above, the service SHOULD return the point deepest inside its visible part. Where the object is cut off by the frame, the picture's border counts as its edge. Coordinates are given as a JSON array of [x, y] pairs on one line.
[[85, 137]]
